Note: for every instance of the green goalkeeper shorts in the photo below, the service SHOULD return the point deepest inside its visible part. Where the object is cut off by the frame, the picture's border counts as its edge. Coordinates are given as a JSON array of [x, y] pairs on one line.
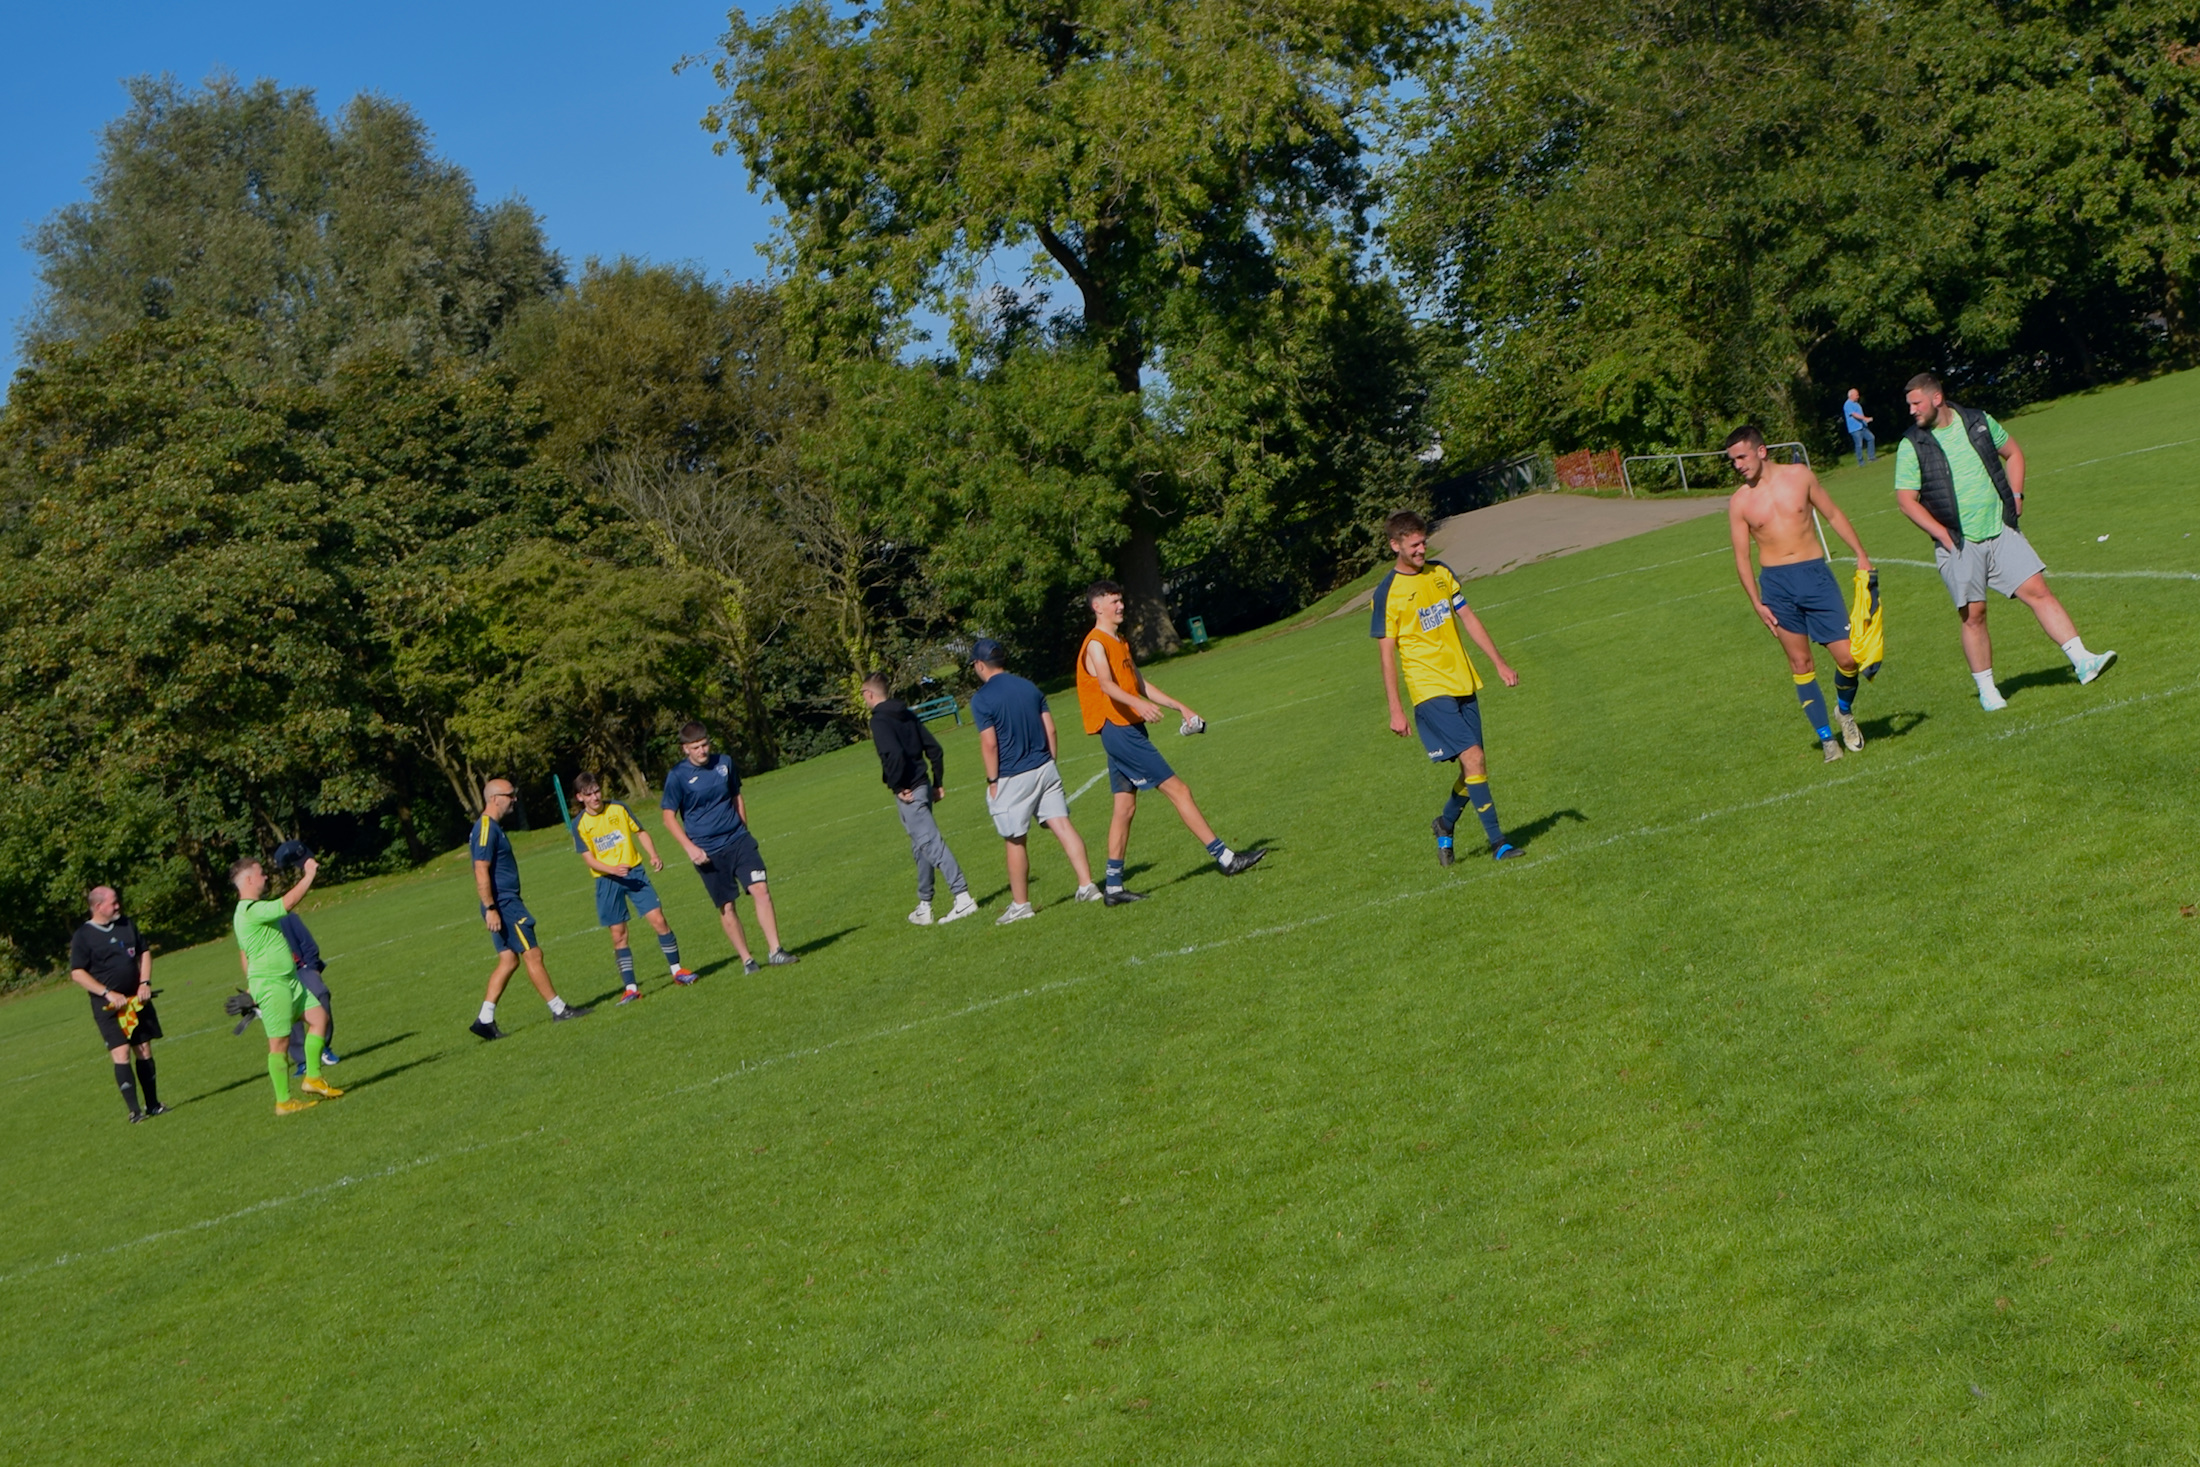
[[282, 1002]]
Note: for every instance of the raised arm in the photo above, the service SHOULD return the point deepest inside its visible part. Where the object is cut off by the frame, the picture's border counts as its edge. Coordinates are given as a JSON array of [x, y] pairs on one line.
[[296, 894], [1821, 501], [1739, 529]]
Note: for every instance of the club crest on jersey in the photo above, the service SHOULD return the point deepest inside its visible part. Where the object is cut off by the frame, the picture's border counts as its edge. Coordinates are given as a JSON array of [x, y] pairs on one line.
[[1432, 617]]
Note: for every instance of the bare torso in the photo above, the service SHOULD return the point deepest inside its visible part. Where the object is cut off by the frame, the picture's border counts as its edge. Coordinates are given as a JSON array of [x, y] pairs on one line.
[[1776, 510]]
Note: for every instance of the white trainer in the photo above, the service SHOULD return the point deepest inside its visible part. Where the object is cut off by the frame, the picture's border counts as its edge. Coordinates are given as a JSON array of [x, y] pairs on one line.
[[1017, 912], [1091, 893], [966, 905], [1991, 700], [2094, 665], [1850, 733], [1832, 748], [922, 916]]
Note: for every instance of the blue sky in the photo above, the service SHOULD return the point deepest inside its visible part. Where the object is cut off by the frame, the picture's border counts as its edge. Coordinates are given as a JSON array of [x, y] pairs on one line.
[[575, 108]]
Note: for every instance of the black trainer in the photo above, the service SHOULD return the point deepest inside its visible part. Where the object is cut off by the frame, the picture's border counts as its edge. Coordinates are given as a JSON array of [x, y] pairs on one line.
[[751, 965], [570, 1013], [136, 1116], [1241, 862], [1121, 896], [1443, 829], [155, 1110], [486, 1029]]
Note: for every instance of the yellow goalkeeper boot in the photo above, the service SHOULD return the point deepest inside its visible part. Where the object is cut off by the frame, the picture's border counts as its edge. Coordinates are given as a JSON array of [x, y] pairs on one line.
[[315, 1085], [292, 1107]]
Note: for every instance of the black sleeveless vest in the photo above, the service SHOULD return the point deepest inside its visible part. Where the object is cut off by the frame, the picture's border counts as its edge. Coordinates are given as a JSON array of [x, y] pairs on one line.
[[1937, 482]]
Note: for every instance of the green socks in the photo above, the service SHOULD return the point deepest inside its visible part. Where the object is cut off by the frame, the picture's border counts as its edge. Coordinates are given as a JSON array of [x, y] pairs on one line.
[[278, 1070], [313, 1055]]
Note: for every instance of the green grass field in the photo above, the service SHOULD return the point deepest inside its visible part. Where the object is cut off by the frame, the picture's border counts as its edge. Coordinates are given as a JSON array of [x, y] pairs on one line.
[[1769, 1111]]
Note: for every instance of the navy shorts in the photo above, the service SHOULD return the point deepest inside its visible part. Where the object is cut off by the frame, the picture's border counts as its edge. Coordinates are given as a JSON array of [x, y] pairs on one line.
[[517, 935], [1449, 726], [1134, 764], [1804, 598], [732, 869], [614, 892]]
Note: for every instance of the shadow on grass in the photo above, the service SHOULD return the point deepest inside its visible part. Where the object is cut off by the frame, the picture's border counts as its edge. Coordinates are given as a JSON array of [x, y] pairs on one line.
[[352, 1054], [1893, 726], [1525, 835], [2042, 677], [257, 1077], [391, 1073], [1267, 846], [818, 944]]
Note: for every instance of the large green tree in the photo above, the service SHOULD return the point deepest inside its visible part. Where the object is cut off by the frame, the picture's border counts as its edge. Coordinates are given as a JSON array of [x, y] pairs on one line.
[[244, 203], [1156, 153]]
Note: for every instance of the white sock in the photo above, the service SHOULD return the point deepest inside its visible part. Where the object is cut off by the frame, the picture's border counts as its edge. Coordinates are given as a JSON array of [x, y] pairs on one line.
[[1985, 680], [2075, 649], [557, 1005], [488, 1012], [1225, 857]]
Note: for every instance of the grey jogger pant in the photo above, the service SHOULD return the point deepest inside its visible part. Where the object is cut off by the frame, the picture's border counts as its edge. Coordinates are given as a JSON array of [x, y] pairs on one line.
[[311, 978], [927, 844]]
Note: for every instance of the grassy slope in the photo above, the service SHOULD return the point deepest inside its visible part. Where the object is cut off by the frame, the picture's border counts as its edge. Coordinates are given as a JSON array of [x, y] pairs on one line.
[[1769, 1110]]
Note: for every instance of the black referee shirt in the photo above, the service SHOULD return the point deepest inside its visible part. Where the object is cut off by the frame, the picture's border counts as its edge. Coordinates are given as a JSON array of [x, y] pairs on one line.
[[110, 956]]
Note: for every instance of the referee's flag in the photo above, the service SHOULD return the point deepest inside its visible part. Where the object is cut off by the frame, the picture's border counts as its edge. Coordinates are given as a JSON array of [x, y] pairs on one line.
[[1867, 627]]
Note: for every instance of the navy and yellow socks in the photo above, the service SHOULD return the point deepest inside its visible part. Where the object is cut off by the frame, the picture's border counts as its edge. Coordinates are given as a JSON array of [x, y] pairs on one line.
[[1478, 795], [1814, 704], [1845, 685]]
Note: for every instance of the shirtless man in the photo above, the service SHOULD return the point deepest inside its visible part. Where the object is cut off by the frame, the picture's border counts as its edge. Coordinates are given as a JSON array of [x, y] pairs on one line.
[[1794, 592]]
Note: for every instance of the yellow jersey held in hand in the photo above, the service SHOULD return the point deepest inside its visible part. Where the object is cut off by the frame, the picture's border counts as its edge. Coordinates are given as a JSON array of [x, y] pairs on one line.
[[1420, 612], [610, 835]]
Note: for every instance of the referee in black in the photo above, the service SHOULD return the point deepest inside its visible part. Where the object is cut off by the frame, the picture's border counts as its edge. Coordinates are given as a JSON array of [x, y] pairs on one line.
[[110, 962]]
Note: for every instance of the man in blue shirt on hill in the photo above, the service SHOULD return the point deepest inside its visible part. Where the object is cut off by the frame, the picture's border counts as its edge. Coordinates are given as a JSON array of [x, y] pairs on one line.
[[704, 811], [1016, 739], [1860, 429], [511, 926]]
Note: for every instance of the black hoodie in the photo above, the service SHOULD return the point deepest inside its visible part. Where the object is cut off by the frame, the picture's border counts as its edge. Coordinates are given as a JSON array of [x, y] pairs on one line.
[[904, 744]]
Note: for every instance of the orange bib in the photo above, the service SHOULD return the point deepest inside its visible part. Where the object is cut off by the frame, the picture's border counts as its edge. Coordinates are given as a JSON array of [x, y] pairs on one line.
[[1097, 707]]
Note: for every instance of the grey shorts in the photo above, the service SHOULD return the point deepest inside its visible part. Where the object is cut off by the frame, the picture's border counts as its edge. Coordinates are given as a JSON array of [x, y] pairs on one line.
[[2001, 564], [1019, 798]]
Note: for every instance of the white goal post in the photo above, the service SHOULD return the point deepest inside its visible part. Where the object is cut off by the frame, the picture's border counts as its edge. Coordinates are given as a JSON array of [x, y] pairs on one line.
[[1680, 463]]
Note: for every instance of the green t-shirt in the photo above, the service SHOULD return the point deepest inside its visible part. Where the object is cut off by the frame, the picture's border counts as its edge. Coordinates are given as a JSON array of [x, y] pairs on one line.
[[1978, 506], [266, 950]]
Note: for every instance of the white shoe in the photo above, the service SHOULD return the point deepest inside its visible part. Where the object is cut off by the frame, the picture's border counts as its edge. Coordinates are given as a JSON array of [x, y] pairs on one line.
[[1091, 893], [922, 916], [1991, 700], [1850, 733], [966, 905], [1832, 748], [2094, 665], [1017, 912]]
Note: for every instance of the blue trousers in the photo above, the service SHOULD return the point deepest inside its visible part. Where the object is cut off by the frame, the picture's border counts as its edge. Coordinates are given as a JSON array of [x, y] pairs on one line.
[[1867, 447]]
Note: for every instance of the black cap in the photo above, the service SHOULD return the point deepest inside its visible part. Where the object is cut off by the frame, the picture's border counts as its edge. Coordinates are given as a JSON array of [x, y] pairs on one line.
[[292, 853], [988, 651]]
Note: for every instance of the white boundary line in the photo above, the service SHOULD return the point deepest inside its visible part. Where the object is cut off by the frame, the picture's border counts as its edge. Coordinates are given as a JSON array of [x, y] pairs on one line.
[[752, 1067], [2105, 458], [2060, 575]]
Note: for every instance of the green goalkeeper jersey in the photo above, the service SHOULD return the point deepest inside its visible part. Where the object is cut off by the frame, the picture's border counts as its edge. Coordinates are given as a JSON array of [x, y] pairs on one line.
[[260, 934]]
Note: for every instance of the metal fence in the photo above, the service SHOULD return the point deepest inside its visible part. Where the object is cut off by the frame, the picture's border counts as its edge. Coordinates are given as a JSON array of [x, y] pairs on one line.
[[1680, 465]]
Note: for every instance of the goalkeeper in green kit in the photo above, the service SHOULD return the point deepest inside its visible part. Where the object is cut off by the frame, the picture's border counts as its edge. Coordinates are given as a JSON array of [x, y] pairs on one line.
[[271, 975]]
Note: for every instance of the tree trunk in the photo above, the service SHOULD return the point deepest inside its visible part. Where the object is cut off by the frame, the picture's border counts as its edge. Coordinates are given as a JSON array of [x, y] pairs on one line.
[[1145, 609]]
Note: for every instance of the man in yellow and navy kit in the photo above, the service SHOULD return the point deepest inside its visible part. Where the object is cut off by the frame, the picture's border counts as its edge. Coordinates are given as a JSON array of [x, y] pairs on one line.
[[1419, 612], [612, 844]]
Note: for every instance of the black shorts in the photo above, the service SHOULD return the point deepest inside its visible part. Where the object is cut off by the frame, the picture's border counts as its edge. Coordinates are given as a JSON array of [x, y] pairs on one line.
[[732, 869], [110, 1025]]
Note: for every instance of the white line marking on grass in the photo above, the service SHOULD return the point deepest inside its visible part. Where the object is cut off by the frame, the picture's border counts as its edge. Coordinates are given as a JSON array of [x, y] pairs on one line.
[[266, 1205], [2061, 575], [1275, 708], [982, 1005], [2127, 453], [1088, 784], [1630, 611]]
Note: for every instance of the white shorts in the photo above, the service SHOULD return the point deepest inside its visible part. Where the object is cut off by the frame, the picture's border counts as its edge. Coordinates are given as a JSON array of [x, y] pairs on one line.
[[1020, 798]]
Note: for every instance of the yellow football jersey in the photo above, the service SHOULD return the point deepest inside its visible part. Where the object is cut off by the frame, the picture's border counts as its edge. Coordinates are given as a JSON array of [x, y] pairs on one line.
[[1418, 611], [610, 835]]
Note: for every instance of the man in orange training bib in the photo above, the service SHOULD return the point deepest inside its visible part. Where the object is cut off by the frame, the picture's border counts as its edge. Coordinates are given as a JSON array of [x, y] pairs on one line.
[[1117, 704]]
